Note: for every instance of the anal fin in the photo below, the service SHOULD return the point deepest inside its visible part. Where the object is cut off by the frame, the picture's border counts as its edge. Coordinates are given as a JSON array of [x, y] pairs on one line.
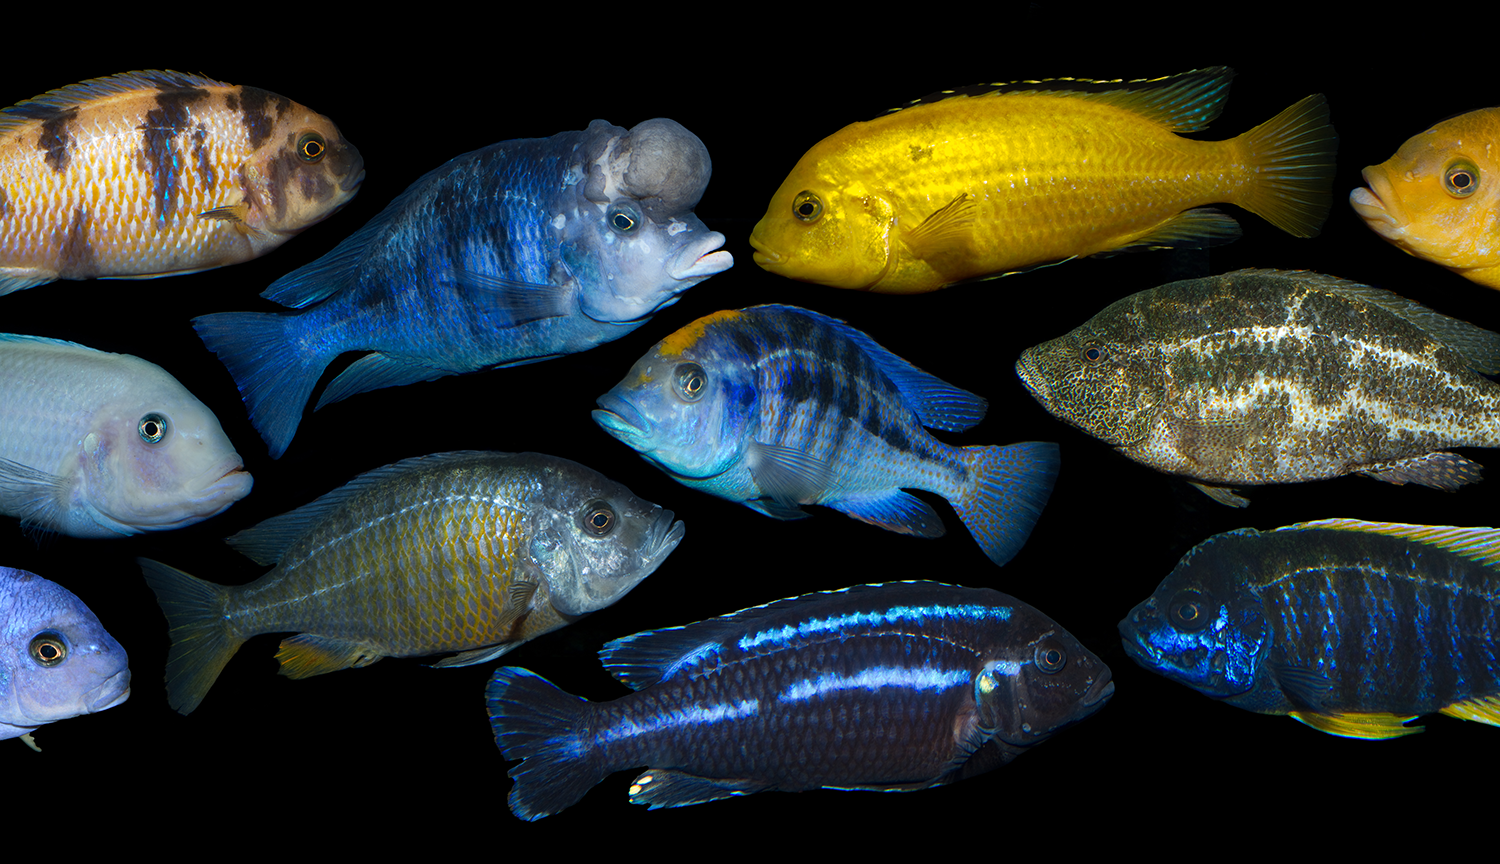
[[1480, 709], [1445, 471], [306, 655], [1367, 726], [660, 787]]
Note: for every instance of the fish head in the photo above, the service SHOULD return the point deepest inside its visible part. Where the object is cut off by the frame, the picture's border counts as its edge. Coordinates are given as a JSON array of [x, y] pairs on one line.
[[689, 405], [825, 224], [598, 540], [1203, 627], [1038, 680], [633, 243], [1438, 198], [57, 658], [155, 458], [302, 172]]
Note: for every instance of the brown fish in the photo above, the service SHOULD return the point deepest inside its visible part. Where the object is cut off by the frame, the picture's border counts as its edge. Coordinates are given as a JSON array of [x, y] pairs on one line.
[[1264, 376], [154, 173]]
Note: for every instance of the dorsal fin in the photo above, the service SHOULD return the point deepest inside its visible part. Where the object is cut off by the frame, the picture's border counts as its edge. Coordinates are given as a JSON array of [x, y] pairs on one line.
[[1476, 544]]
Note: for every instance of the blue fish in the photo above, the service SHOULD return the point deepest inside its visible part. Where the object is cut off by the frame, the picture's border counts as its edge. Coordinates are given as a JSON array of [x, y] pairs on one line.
[[514, 253], [1354, 628], [892, 687], [56, 659], [776, 406]]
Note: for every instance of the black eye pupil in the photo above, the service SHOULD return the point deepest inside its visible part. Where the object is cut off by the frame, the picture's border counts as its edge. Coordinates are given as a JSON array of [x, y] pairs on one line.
[[48, 652], [623, 222], [1092, 353], [1189, 611], [1462, 180], [806, 209]]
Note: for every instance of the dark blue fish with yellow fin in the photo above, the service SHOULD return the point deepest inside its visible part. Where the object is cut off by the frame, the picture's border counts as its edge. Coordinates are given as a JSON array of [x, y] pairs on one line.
[[892, 687], [1354, 628], [776, 406]]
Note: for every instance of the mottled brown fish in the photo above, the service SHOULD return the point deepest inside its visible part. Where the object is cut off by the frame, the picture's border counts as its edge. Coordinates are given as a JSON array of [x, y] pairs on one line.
[[155, 173], [1264, 376]]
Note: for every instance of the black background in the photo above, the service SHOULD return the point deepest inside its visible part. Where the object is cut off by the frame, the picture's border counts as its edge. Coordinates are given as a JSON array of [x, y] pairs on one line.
[[399, 749]]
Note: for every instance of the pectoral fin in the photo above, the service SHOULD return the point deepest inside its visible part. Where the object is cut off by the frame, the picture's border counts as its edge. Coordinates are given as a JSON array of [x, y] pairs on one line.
[[306, 655], [31, 494], [1369, 726], [787, 474], [949, 226], [236, 213], [1222, 494]]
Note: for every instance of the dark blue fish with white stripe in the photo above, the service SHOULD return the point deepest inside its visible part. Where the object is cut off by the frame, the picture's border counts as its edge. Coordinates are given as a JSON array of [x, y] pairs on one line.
[[892, 687], [776, 406], [1354, 628]]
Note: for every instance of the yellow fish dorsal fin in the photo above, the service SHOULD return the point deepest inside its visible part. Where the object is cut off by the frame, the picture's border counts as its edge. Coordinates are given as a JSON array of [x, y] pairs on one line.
[[1476, 544], [1481, 709], [688, 336], [1374, 727], [1186, 102]]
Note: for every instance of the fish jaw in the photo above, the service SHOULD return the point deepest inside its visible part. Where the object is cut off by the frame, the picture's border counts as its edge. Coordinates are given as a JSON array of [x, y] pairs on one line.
[[113, 691], [620, 418], [206, 496], [1380, 207], [699, 260]]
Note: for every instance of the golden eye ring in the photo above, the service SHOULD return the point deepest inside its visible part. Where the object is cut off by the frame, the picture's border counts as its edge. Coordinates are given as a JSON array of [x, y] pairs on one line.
[[1461, 179], [807, 207], [599, 519], [48, 649], [311, 148]]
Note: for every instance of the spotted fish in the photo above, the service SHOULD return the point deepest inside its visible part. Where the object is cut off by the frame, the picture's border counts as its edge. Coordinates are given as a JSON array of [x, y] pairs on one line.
[[894, 687], [1265, 376], [1354, 628], [155, 173], [776, 406]]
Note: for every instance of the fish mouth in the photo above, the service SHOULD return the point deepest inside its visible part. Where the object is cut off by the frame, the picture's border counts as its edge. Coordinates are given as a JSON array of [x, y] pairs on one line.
[[1100, 692], [701, 259], [111, 692], [211, 493], [620, 419], [1378, 205], [1026, 368], [664, 537], [766, 258]]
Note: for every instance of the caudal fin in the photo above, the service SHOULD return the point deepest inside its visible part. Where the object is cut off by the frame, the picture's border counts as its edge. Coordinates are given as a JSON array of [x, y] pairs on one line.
[[1011, 485], [274, 377], [1292, 157], [539, 724], [201, 639]]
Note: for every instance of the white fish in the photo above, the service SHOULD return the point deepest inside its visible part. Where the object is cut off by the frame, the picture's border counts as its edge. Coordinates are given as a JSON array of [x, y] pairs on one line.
[[102, 445], [56, 659]]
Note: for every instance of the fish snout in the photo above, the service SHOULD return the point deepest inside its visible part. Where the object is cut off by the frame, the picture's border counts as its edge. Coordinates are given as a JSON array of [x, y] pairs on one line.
[[621, 419], [701, 259], [1379, 205], [111, 692], [763, 255], [1030, 373], [665, 535], [1098, 694]]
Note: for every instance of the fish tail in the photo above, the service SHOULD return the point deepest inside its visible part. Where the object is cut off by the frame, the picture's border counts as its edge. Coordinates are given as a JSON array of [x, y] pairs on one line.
[[1290, 159], [201, 639], [275, 377], [543, 726], [1008, 487]]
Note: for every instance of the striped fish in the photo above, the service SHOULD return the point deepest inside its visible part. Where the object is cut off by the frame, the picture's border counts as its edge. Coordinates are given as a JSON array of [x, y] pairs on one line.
[[892, 687], [776, 406], [155, 173], [471, 552], [1354, 628]]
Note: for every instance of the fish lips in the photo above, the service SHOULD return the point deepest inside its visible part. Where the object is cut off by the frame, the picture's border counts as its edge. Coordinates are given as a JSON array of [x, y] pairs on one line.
[[621, 419], [700, 259], [1379, 205], [664, 537], [111, 692]]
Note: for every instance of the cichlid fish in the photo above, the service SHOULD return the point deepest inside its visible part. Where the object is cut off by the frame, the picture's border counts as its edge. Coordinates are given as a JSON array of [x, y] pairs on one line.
[[1264, 376], [56, 660], [892, 687], [776, 406], [997, 179], [469, 552], [519, 252], [1438, 198], [1351, 627], [104, 445], [157, 173]]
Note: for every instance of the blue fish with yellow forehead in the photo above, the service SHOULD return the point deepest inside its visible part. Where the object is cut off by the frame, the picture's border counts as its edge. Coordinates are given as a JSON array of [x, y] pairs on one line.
[[776, 406], [1351, 627]]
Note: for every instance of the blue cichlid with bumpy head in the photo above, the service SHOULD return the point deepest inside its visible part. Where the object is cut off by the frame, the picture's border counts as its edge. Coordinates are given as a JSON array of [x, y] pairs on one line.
[[893, 688], [514, 253], [1354, 628], [776, 406], [56, 659]]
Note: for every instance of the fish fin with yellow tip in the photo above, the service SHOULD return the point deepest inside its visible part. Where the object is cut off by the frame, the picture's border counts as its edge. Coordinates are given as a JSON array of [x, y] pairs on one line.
[[1374, 727], [1222, 494], [1481, 545], [231, 213], [949, 226], [1290, 162], [306, 655], [1480, 709], [202, 641], [539, 724], [658, 788]]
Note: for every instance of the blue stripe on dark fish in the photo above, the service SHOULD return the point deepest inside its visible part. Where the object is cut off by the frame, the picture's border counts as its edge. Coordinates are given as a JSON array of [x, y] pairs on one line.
[[875, 678], [917, 615]]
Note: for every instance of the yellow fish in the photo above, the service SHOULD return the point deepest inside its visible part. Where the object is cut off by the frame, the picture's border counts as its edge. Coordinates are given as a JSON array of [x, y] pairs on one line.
[[1437, 198], [1002, 178], [154, 173]]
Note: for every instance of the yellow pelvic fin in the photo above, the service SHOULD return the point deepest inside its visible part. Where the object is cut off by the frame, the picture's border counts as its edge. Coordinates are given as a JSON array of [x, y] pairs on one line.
[[1481, 709], [688, 336], [1290, 161], [950, 225], [305, 655], [1368, 726]]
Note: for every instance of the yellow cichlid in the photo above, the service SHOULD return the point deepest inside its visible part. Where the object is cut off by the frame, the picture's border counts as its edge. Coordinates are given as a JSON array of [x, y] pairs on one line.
[[154, 173], [1438, 198], [1003, 178]]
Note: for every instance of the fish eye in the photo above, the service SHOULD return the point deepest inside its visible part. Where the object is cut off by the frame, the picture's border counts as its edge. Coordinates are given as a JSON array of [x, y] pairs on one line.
[[807, 207], [153, 428], [1093, 353], [1461, 179], [1050, 658], [48, 648], [1189, 610], [622, 218], [691, 381], [311, 147], [599, 518]]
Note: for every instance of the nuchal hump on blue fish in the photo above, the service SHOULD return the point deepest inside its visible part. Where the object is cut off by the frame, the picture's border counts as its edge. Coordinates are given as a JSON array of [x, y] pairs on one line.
[[776, 407], [893, 687], [1353, 628], [521, 251]]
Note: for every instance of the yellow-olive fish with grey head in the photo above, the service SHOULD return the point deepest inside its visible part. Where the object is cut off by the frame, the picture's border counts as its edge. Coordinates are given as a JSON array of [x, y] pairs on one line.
[[472, 552], [998, 179], [1265, 376], [155, 173]]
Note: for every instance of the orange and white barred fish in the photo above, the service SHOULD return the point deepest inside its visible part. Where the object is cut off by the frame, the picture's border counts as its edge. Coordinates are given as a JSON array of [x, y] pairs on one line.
[[155, 173]]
